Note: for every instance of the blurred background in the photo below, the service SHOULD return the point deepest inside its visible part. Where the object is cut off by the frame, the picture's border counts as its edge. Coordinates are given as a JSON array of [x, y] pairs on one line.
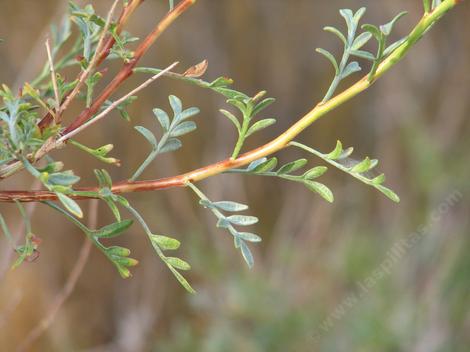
[[362, 274]]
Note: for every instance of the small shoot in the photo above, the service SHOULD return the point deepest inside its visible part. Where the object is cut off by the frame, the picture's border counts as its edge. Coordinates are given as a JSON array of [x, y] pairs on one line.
[[267, 167], [119, 256], [99, 153], [162, 244], [229, 222], [249, 108], [159, 243], [359, 170], [381, 35], [178, 126], [60, 183], [351, 43]]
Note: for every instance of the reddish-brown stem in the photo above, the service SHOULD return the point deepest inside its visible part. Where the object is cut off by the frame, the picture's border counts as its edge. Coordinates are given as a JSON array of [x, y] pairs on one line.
[[126, 70], [153, 185]]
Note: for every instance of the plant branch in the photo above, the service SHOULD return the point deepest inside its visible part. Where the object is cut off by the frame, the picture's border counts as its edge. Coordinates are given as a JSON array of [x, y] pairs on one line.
[[126, 13], [93, 63], [275, 145], [53, 144], [122, 21], [114, 105], [127, 70]]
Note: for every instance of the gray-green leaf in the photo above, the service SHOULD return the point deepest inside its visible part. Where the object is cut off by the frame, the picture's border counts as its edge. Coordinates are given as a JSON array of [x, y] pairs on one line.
[[315, 172], [176, 104], [171, 145], [178, 263], [166, 243], [232, 118], [148, 136], [113, 230], [253, 165], [292, 167], [242, 220], [262, 105], [363, 166], [63, 178], [247, 254], [379, 179], [183, 128], [330, 57], [182, 280], [389, 193], [163, 118], [351, 68], [257, 126], [363, 54], [250, 237], [387, 28], [336, 153], [361, 40], [266, 166], [186, 114], [230, 206], [321, 189], [336, 32], [70, 205]]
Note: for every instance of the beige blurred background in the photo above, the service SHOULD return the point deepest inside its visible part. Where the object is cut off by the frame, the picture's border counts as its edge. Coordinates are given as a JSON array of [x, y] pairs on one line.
[[304, 293]]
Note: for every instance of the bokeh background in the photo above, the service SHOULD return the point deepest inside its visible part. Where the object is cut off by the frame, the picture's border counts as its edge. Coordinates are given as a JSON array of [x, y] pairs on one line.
[[327, 277]]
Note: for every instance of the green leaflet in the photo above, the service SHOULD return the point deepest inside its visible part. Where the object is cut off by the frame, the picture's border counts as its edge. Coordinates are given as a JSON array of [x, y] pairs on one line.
[[70, 205], [229, 222], [113, 230], [165, 243]]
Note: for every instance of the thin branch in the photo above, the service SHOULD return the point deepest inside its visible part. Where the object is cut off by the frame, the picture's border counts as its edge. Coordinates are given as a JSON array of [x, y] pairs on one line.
[[128, 10], [122, 21], [93, 63], [52, 144], [114, 105], [127, 70], [275, 145], [54, 81], [68, 288]]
